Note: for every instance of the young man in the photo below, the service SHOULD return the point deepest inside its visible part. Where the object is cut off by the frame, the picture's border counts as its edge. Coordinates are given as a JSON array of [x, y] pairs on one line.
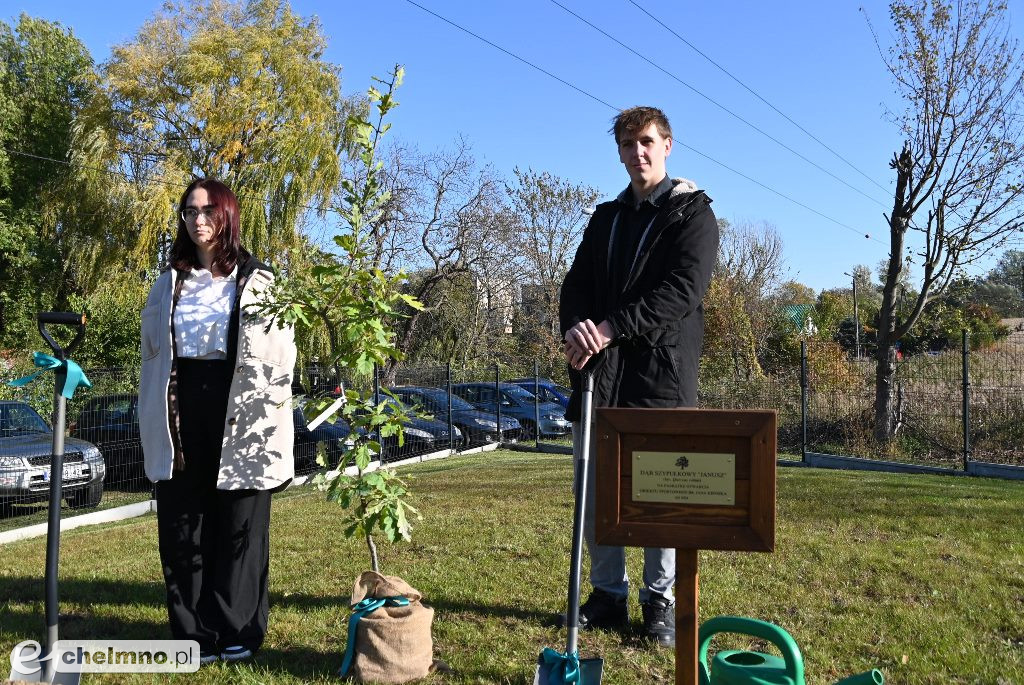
[[631, 312]]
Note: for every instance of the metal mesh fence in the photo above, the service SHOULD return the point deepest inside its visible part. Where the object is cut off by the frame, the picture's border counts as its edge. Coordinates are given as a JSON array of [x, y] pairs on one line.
[[463, 408], [102, 455], [996, 406], [928, 409], [777, 391], [947, 406], [839, 400]]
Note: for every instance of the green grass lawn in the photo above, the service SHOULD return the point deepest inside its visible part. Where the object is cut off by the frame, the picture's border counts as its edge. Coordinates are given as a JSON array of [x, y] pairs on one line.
[[920, 576]]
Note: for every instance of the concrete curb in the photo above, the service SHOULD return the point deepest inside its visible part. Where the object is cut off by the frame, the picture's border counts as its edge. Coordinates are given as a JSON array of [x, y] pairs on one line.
[[102, 516], [831, 461]]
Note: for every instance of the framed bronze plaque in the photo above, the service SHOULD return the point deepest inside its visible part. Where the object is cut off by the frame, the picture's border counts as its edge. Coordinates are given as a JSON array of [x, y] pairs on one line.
[[686, 478]]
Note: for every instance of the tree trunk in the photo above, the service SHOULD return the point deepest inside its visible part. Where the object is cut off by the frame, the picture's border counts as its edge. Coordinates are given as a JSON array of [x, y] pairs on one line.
[[373, 554], [885, 389], [885, 355]]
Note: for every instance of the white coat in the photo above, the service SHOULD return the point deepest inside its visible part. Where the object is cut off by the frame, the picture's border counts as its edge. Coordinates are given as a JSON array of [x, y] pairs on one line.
[[258, 433]]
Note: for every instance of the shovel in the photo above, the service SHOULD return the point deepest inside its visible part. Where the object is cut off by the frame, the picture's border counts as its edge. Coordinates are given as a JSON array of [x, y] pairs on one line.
[[554, 668], [33, 666]]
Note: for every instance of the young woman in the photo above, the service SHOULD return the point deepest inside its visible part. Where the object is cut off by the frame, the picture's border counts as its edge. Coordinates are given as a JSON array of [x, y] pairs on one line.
[[216, 426]]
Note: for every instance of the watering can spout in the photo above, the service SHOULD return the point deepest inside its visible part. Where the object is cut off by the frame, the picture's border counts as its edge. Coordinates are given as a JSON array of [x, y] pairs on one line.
[[872, 677]]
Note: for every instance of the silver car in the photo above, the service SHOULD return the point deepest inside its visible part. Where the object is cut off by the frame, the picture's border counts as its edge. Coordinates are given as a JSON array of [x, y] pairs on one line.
[[26, 443]]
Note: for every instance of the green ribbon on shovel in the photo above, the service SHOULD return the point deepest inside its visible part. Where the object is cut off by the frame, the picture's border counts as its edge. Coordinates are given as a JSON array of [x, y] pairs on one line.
[[75, 376], [562, 668], [367, 606]]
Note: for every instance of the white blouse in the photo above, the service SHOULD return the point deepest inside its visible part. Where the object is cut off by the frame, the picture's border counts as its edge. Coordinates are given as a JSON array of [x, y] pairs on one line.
[[203, 315]]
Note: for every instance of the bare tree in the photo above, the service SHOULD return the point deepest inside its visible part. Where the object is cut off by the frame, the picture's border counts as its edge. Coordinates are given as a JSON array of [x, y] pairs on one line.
[[748, 270], [959, 187], [549, 213], [750, 256], [442, 222]]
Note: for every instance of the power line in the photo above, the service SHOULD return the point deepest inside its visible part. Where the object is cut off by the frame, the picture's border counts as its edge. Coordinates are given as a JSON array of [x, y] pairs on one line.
[[174, 184], [782, 195], [619, 109], [514, 56], [758, 96], [716, 103]]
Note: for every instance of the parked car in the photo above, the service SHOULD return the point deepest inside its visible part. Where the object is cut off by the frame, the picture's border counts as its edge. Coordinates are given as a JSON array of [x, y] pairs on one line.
[[477, 427], [547, 390], [111, 423], [26, 445], [332, 436], [517, 403], [421, 434]]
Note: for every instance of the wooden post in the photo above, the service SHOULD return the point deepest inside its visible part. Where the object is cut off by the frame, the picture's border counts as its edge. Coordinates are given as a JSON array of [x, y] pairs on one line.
[[686, 479], [686, 616]]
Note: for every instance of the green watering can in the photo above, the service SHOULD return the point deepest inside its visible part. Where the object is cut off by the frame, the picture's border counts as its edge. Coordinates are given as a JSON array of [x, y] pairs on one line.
[[740, 667]]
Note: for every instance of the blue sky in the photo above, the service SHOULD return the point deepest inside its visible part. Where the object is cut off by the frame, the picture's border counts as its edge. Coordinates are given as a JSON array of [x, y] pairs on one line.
[[815, 61]]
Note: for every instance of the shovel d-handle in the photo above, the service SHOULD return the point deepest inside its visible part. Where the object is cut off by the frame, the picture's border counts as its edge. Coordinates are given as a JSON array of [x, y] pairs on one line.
[[755, 628], [61, 319]]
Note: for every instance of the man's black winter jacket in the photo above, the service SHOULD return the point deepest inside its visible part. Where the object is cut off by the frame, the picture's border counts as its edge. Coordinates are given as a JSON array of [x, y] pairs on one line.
[[657, 315]]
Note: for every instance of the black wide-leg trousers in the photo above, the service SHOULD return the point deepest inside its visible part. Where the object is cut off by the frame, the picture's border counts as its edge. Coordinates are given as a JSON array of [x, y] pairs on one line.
[[214, 544]]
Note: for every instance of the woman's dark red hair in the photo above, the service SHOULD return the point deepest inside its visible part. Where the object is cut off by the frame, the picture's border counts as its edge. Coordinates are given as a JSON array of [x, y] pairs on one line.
[[225, 218]]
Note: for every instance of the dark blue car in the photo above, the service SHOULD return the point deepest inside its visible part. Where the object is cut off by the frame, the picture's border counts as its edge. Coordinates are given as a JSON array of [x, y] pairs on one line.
[[516, 402], [423, 434], [330, 436], [478, 427], [547, 390]]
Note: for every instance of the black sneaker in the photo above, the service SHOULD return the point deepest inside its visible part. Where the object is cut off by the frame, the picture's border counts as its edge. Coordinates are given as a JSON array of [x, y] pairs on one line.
[[660, 620], [603, 610], [235, 653]]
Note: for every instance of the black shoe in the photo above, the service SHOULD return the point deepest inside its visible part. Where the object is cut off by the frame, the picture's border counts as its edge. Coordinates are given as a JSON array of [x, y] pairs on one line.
[[235, 653], [660, 620], [603, 610]]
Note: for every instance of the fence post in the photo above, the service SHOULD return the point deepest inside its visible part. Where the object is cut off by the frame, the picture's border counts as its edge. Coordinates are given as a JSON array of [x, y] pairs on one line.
[[497, 397], [448, 393], [966, 351], [536, 401], [803, 400]]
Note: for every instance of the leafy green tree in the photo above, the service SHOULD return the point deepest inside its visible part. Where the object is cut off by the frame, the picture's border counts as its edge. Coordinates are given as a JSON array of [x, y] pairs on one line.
[[233, 90], [113, 320], [354, 301], [1003, 286], [958, 177], [1009, 269], [729, 346], [794, 292], [48, 221], [1002, 298]]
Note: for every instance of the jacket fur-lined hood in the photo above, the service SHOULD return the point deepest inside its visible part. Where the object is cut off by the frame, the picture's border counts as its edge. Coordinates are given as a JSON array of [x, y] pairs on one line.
[[680, 186]]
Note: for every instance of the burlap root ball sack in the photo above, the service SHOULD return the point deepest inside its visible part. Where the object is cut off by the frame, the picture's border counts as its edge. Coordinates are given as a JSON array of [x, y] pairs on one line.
[[393, 644]]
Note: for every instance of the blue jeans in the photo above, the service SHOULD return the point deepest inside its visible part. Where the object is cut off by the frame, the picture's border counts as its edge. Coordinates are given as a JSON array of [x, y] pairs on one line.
[[608, 563]]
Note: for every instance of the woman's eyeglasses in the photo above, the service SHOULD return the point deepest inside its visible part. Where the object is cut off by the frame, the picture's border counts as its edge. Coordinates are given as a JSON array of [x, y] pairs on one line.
[[191, 213]]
